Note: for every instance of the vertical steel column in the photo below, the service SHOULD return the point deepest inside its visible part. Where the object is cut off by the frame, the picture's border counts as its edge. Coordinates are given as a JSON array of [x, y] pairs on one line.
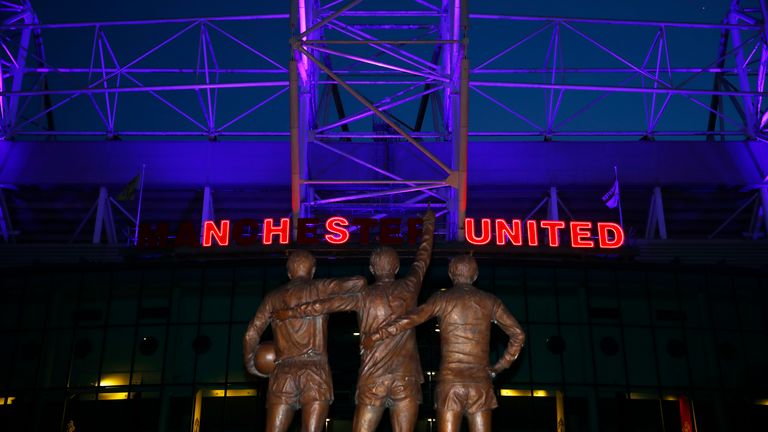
[[456, 63], [750, 126], [293, 83], [104, 219], [764, 205], [656, 217], [207, 213], [9, 108], [302, 82], [552, 211], [6, 228]]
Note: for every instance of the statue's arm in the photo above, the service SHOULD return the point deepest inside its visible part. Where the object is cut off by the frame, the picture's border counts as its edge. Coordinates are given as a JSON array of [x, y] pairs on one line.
[[423, 255], [338, 286], [504, 319], [405, 322], [342, 303], [252, 336]]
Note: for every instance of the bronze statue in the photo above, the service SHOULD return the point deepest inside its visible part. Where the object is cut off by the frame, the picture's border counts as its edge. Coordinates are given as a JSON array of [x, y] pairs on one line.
[[301, 378], [465, 314], [390, 372]]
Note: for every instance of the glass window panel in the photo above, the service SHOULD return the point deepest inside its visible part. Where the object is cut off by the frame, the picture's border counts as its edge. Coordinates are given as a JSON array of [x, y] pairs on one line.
[[249, 290], [571, 295], [217, 294], [542, 305], [702, 358], [118, 351], [545, 365], [27, 357], [10, 307], [750, 311], [237, 371], [723, 307], [125, 297], [634, 298], [641, 364], [86, 357], [186, 296], [577, 356], [54, 358], [34, 308], [148, 357], [671, 352], [664, 300], [695, 300], [212, 365], [608, 354], [731, 355], [180, 366], [509, 288]]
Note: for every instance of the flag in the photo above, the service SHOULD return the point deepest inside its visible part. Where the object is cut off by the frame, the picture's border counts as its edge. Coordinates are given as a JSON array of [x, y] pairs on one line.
[[129, 191], [611, 199]]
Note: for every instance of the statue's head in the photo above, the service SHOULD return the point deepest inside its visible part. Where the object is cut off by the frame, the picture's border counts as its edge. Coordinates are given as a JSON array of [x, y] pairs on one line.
[[384, 263], [301, 264], [463, 269]]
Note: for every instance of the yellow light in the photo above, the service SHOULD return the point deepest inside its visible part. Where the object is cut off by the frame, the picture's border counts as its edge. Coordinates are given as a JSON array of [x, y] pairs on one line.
[[529, 393], [117, 379], [645, 396], [230, 393], [113, 396], [7, 400], [762, 402], [670, 398]]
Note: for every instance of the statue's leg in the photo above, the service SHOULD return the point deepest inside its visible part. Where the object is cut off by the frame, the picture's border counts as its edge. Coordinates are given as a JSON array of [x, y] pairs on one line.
[[313, 416], [403, 415], [279, 417], [480, 421], [367, 418], [448, 421]]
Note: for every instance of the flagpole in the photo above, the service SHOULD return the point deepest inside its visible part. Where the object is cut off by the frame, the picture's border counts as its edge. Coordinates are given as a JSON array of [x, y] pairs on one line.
[[618, 190], [138, 211]]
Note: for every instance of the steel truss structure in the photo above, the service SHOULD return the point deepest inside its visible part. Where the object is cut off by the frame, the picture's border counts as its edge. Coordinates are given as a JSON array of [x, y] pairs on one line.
[[379, 93]]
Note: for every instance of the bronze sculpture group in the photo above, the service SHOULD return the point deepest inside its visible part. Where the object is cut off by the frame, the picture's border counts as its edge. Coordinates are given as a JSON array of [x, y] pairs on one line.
[[390, 373]]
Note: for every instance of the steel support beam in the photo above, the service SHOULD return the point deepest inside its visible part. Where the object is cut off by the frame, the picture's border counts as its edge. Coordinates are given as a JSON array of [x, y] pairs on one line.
[[104, 220], [6, 227], [656, 220], [10, 105]]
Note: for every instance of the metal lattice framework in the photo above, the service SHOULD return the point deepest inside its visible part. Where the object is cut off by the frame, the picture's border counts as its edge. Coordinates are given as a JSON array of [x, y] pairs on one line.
[[382, 90]]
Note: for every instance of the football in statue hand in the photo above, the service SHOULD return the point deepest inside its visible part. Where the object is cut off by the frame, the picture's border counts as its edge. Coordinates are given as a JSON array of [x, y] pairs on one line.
[[265, 358]]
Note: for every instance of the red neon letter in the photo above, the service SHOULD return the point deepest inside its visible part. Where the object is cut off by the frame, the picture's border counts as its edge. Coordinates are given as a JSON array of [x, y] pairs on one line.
[[552, 227], [469, 231], [306, 231], [602, 235], [282, 230], [504, 232], [210, 230], [533, 234], [339, 235], [365, 225], [390, 231], [580, 232]]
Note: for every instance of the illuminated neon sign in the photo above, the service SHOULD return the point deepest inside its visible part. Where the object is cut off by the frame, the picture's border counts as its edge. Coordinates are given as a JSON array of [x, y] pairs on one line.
[[338, 230]]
